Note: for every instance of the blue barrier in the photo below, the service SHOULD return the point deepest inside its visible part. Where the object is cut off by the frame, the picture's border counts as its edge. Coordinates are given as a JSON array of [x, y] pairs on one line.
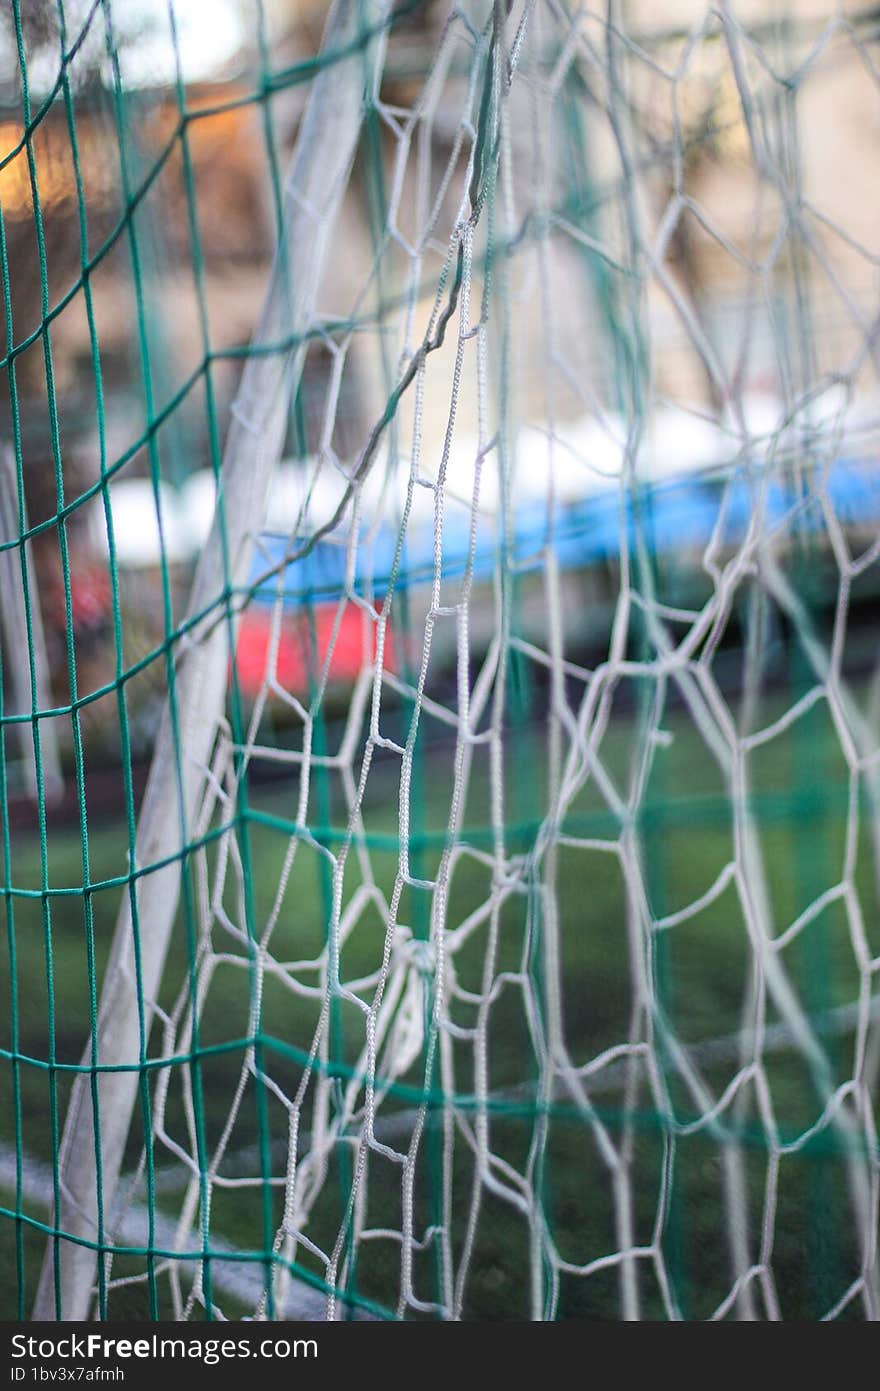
[[676, 517]]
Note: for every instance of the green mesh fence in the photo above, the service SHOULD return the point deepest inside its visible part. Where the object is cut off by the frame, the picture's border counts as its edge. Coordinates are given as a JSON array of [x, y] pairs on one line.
[[440, 757]]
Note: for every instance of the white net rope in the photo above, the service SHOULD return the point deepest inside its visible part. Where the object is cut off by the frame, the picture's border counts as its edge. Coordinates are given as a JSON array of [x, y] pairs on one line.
[[528, 955]]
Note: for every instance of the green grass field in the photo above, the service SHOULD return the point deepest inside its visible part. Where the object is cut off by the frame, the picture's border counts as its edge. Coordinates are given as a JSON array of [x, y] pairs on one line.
[[702, 969]]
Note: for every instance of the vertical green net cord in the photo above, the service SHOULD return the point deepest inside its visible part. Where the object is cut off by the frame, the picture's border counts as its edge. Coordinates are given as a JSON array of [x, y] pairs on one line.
[[439, 753]]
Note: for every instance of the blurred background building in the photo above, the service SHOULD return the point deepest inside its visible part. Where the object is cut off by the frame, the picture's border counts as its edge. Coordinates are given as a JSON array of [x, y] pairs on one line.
[[174, 237]]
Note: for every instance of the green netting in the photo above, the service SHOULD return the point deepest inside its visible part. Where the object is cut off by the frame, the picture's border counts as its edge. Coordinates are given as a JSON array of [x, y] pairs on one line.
[[439, 546]]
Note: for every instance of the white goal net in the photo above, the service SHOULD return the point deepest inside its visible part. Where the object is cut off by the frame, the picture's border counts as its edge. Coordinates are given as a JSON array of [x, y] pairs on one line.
[[499, 938]]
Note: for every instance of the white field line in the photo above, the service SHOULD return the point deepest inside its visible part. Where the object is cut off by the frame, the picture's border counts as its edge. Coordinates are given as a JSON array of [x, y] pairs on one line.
[[398, 1125], [241, 1280]]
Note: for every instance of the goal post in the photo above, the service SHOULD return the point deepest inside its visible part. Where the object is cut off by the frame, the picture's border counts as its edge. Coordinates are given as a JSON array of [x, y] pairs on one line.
[[101, 1104]]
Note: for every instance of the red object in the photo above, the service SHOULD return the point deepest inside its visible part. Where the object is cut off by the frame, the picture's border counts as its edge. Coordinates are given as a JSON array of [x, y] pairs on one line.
[[90, 597], [303, 648]]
